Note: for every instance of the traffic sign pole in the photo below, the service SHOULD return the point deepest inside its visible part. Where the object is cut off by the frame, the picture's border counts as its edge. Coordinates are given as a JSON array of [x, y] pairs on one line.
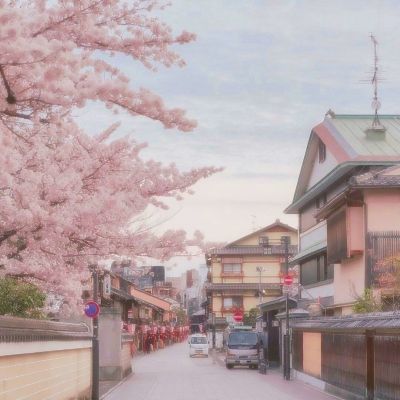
[[95, 339]]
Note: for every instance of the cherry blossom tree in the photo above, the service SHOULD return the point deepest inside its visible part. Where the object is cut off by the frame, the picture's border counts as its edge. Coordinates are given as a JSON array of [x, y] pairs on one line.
[[68, 198]]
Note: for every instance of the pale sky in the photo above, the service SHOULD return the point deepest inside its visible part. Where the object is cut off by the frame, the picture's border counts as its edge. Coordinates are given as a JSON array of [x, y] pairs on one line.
[[259, 76]]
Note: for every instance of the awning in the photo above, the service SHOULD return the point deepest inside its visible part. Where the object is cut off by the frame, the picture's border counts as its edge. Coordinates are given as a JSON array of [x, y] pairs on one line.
[[278, 304], [241, 286], [120, 294]]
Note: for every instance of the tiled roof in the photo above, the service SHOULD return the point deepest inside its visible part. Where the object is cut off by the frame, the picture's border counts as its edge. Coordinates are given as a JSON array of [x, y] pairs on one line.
[[272, 228], [121, 294], [240, 286], [377, 177], [379, 321], [253, 250], [278, 304], [150, 299]]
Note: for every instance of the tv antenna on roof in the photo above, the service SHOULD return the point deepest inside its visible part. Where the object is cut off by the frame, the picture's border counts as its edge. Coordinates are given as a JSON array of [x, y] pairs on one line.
[[376, 104]]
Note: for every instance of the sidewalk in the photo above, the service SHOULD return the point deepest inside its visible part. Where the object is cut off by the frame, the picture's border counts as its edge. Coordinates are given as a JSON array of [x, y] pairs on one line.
[[106, 387], [294, 387]]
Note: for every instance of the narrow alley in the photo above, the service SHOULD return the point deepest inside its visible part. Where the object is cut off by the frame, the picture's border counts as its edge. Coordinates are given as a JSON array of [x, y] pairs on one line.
[[170, 374]]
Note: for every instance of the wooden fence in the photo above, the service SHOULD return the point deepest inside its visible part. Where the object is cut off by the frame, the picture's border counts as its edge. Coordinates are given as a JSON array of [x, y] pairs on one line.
[[354, 356]]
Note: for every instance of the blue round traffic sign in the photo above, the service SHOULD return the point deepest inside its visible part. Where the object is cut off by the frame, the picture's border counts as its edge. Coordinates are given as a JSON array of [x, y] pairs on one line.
[[92, 309]]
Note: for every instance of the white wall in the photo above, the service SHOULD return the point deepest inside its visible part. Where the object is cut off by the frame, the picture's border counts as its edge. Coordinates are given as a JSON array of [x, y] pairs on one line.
[[318, 291], [317, 234], [320, 170]]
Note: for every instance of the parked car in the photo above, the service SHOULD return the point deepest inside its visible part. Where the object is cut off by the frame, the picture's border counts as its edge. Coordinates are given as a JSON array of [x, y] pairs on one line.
[[198, 345], [242, 348]]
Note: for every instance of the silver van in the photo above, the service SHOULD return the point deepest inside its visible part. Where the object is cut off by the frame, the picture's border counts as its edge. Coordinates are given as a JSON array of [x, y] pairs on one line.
[[198, 345], [242, 348]]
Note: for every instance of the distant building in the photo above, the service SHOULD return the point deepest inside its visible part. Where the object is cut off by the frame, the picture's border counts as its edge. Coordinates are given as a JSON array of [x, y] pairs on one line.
[[158, 273], [248, 270]]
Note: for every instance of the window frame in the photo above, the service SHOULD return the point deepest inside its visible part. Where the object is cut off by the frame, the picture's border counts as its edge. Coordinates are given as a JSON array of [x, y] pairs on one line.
[[232, 272], [324, 270], [233, 305]]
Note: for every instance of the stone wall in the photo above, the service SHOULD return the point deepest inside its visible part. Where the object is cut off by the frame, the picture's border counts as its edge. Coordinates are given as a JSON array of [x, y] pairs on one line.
[[44, 359], [115, 346]]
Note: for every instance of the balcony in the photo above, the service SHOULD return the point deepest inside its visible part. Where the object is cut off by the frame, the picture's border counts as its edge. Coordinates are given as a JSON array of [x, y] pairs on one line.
[[383, 259], [254, 250], [232, 274]]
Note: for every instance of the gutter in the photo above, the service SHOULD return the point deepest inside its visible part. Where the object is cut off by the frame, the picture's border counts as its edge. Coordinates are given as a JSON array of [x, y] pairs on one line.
[[338, 172]]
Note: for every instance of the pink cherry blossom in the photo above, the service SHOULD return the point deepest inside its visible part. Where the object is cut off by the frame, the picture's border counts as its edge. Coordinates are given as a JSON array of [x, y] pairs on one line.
[[66, 198]]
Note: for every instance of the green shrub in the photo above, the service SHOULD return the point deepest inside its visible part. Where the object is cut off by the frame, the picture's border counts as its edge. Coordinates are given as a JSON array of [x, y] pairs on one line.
[[367, 303], [20, 299]]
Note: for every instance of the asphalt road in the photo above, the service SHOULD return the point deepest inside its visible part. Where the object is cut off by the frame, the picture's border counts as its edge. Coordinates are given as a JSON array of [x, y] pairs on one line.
[[170, 374]]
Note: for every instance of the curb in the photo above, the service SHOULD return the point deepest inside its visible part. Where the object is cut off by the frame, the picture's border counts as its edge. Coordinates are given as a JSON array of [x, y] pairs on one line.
[[115, 387], [218, 357]]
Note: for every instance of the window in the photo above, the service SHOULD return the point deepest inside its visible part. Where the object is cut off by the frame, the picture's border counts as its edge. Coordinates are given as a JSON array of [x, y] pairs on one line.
[[233, 302], [198, 340], [337, 237], [263, 240], [315, 270], [232, 268], [239, 339], [284, 238], [321, 151]]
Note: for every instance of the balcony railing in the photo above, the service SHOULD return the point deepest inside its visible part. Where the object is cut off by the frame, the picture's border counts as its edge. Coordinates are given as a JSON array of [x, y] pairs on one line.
[[255, 250], [383, 258]]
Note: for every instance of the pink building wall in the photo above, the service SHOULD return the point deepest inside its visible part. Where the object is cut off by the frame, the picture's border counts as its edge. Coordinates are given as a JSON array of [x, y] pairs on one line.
[[349, 280], [383, 207]]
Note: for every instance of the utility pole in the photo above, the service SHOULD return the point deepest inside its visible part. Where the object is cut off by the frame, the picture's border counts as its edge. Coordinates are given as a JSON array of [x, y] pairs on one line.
[[95, 339], [260, 271], [286, 338], [213, 330]]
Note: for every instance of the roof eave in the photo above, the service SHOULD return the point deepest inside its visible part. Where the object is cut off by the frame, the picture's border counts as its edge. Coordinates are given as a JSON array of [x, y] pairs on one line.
[[338, 172]]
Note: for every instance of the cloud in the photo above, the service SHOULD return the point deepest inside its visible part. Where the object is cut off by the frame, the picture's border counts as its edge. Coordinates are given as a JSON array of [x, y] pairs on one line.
[[259, 77]]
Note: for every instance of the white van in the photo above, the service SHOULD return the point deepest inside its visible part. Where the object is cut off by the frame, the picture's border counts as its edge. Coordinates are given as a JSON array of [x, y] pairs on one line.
[[198, 345]]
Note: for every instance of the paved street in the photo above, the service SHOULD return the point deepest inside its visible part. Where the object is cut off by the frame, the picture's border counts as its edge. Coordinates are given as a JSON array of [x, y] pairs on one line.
[[170, 374]]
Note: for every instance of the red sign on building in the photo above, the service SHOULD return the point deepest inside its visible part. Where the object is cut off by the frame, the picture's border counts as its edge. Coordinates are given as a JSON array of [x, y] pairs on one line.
[[288, 280]]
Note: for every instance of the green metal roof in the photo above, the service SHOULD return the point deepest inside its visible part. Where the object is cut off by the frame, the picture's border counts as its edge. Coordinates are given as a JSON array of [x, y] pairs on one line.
[[352, 128], [355, 143]]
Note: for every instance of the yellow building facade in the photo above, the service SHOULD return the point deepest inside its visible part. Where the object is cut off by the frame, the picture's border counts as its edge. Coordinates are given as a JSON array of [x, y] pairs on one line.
[[249, 270]]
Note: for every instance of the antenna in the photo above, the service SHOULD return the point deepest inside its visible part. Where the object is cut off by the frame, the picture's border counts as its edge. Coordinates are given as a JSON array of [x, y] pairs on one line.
[[376, 104]]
